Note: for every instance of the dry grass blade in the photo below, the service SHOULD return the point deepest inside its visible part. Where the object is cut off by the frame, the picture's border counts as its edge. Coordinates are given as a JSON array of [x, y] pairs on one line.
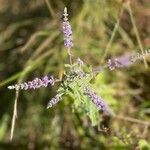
[[15, 104], [26, 70], [31, 66], [45, 44], [134, 120], [14, 114], [51, 11], [136, 32], [31, 41], [10, 79], [113, 34], [7, 33]]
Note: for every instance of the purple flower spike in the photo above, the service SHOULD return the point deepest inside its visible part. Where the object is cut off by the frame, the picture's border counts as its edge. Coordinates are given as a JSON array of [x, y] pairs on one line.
[[34, 84], [119, 62], [97, 100], [53, 101], [67, 31]]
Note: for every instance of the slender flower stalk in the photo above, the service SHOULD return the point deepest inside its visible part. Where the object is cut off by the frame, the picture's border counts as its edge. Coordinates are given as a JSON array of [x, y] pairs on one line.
[[34, 84], [97, 100], [67, 30]]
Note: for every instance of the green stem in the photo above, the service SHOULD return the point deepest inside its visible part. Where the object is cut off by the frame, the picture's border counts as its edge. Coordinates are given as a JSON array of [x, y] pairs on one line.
[[70, 56]]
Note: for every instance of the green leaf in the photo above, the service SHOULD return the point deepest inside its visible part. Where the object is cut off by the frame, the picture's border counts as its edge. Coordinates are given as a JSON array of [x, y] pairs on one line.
[[144, 145], [67, 65]]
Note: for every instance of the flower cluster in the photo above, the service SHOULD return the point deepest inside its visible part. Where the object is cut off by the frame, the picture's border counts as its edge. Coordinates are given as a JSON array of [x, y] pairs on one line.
[[67, 31], [119, 62], [53, 101], [79, 74], [140, 55], [97, 100], [126, 60], [34, 84]]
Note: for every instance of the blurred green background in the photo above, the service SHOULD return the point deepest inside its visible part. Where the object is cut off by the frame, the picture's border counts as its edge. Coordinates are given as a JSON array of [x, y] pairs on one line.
[[31, 44]]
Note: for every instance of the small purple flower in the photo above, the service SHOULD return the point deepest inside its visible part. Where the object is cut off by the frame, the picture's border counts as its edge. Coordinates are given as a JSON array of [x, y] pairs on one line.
[[80, 74], [125, 60], [111, 64], [53, 101], [68, 40], [34, 84], [97, 100], [119, 62], [80, 62], [47, 81]]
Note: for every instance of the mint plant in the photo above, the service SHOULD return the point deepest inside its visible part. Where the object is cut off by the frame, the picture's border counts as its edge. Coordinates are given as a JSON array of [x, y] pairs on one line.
[[76, 80]]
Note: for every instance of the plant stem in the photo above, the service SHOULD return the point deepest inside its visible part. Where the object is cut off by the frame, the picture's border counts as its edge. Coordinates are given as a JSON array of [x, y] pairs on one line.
[[70, 56], [134, 120]]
